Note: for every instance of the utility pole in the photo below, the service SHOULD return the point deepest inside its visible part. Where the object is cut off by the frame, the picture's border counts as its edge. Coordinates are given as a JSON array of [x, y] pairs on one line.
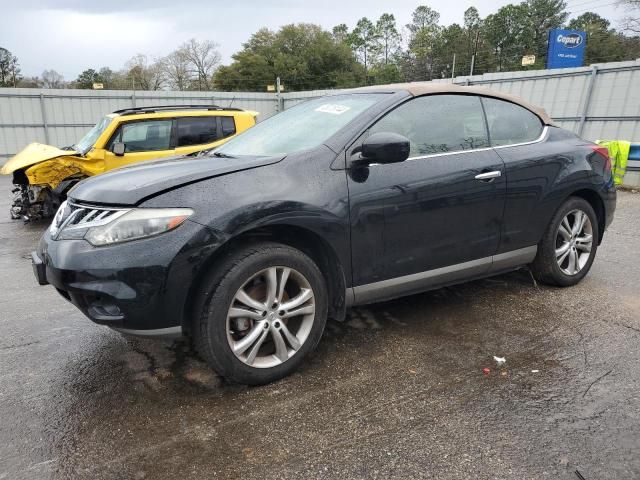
[[475, 51], [453, 67], [278, 103]]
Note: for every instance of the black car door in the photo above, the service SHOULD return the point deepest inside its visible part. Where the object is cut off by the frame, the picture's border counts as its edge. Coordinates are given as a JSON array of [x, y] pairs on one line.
[[442, 207], [532, 167]]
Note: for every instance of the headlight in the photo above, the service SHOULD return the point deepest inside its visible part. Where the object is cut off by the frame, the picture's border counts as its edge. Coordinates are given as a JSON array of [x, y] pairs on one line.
[[137, 223]]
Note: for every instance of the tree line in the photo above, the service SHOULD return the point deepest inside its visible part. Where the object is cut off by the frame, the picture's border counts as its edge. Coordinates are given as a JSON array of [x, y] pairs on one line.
[[307, 56]]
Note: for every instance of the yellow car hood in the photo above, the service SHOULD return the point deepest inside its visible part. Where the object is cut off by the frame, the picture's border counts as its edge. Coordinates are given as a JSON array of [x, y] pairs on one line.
[[32, 154]]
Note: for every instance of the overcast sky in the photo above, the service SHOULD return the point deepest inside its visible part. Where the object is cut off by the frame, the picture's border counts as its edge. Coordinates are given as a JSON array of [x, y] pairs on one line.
[[72, 35]]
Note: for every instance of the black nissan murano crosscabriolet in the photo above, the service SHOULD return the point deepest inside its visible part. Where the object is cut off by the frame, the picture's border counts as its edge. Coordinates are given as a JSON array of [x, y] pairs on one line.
[[352, 198]]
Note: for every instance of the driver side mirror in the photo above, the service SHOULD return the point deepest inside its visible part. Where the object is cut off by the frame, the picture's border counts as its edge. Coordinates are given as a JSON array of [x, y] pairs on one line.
[[384, 147], [118, 149]]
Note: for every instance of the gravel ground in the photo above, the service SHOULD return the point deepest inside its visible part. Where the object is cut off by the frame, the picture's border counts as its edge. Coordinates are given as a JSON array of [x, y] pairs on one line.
[[397, 391]]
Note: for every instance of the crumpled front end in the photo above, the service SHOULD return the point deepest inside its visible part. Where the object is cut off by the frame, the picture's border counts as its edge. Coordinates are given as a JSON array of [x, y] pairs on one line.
[[41, 176], [32, 154], [32, 202]]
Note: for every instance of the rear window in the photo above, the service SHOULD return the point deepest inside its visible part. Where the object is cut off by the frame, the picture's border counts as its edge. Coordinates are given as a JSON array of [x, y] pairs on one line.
[[510, 123], [197, 130], [228, 126]]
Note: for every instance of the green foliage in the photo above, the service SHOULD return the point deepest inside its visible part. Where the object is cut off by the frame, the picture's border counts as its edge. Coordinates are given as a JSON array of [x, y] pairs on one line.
[[87, 78], [506, 36], [364, 42], [341, 33], [542, 16], [388, 36], [604, 44], [385, 73], [305, 56]]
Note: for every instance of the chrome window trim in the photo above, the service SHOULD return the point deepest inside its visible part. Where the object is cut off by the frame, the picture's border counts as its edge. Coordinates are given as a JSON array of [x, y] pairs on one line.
[[457, 152], [542, 136]]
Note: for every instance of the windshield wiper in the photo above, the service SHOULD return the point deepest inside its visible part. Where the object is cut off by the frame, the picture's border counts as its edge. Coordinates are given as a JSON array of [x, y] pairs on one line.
[[222, 155]]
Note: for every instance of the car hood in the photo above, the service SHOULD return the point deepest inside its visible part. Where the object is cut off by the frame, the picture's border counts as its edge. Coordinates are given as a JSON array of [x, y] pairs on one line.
[[133, 184], [32, 154]]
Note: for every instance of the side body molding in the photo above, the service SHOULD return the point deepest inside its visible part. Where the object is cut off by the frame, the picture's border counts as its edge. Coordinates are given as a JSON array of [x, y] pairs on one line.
[[431, 279]]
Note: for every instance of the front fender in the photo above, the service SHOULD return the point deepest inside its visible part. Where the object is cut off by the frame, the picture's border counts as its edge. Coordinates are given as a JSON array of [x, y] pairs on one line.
[[304, 194], [32, 154], [53, 172]]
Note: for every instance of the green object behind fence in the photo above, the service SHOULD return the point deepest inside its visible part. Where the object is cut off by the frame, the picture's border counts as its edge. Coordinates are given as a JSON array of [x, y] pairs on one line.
[[619, 154]]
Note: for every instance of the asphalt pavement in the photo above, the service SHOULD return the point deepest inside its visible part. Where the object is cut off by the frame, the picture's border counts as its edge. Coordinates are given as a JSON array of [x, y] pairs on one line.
[[396, 392]]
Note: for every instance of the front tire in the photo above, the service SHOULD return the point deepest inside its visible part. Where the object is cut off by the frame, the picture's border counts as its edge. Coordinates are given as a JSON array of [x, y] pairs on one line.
[[262, 309], [568, 247]]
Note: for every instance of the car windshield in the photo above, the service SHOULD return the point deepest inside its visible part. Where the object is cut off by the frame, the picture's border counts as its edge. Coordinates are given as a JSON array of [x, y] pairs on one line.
[[300, 128], [85, 144]]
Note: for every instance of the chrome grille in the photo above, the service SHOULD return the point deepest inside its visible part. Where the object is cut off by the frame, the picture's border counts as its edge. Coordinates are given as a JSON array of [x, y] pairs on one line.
[[76, 216], [85, 216]]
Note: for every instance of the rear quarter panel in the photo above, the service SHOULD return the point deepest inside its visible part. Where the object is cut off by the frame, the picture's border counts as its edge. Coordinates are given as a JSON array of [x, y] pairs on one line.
[[540, 176]]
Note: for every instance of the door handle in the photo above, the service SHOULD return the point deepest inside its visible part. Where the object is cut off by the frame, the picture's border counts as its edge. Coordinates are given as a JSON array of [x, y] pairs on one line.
[[488, 176]]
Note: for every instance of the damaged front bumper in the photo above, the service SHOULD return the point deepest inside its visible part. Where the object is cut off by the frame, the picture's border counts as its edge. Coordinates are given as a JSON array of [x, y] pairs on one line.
[[31, 203]]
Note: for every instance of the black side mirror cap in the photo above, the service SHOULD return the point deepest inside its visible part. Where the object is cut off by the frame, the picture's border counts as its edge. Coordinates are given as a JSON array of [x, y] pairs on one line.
[[118, 149], [384, 147]]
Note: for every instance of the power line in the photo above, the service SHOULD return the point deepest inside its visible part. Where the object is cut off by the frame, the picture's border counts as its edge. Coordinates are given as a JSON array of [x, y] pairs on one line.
[[593, 7], [582, 3]]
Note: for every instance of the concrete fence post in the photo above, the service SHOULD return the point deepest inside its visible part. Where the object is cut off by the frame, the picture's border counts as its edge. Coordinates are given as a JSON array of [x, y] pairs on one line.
[[281, 103], [45, 124], [587, 99]]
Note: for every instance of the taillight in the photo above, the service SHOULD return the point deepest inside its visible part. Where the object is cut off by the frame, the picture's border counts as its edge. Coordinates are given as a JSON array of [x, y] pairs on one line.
[[604, 153]]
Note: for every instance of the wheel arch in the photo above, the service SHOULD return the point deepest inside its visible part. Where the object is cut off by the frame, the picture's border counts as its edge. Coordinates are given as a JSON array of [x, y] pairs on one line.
[[305, 240], [597, 204]]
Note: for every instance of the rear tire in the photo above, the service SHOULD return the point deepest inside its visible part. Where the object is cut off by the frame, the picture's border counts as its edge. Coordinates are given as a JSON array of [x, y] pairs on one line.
[[259, 312], [568, 246]]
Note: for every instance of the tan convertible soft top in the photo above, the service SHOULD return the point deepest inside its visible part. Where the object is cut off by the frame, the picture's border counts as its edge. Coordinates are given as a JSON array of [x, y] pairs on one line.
[[426, 88]]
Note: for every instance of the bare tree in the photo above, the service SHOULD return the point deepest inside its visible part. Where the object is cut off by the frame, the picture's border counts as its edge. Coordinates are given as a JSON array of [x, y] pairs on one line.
[[204, 58], [144, 75], [632, 20], [52, 79], [29, 82], [177, 69], [9, 69]]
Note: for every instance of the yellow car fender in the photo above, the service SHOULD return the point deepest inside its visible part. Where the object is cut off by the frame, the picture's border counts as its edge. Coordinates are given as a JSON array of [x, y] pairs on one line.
[[52, 172]]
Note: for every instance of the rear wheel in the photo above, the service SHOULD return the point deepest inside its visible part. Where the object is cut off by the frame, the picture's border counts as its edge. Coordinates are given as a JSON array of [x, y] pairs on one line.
[[568, 247], [260, 312]]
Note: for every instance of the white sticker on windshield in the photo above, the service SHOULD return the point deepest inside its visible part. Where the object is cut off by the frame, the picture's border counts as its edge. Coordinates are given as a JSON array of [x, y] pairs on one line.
[[333, 108]]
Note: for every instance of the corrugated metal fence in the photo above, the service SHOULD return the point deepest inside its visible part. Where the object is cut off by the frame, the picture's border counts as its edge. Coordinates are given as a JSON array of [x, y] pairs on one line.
[[600, 101], [62, 117]]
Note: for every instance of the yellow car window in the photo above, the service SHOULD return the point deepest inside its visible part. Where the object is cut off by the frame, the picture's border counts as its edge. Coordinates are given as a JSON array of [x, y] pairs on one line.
[[197, 130], [146, 136]]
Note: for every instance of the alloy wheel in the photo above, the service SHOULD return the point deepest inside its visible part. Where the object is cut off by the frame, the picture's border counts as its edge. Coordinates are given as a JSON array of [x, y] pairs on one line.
[[574, 241], [270, 317]]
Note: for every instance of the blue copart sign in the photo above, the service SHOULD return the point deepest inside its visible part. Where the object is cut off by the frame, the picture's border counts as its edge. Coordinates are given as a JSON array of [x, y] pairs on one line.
[[566, 48]]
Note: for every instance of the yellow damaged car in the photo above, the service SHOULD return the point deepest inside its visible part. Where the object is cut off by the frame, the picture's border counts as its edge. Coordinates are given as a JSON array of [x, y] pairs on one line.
[[42, 174]]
